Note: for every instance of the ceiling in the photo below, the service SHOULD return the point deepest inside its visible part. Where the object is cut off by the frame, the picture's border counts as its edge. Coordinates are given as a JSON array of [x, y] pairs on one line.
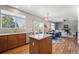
[[55, 12]]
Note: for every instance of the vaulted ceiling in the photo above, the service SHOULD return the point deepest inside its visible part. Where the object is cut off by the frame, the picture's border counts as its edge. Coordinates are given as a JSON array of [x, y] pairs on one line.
[[56, 12]]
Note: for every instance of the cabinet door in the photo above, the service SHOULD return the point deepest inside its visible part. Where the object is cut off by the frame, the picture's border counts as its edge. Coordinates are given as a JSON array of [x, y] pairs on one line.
[[45, 46], [3, 43], [12, 41], [21, 39], [34, 46]]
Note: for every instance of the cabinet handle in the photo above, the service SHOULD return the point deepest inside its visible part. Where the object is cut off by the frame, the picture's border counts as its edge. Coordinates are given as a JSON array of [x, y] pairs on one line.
[[33, 43]]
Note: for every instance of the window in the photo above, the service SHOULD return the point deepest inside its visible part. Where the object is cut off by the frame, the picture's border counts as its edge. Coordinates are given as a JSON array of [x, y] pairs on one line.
[[38, 27], [7, 21], [52, 26], [19, 22], [11, 21]]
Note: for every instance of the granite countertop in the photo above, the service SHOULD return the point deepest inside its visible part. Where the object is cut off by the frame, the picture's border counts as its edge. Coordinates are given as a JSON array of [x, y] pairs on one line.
[[39, 36], [2, 34]]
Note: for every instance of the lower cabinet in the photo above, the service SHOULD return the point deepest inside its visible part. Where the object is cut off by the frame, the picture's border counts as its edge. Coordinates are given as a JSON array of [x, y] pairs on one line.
[[34, 46], [12, 41], [21, 38], [43, 46], [3, 43]]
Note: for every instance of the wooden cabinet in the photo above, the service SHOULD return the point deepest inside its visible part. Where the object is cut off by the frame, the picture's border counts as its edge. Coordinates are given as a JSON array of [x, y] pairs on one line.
[[21, 38], [34, 46], [3, 43], [16, 40], [12, 41], [43, 46]]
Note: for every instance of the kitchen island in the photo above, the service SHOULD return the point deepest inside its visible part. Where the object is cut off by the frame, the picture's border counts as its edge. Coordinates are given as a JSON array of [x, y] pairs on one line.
[[40, 44]]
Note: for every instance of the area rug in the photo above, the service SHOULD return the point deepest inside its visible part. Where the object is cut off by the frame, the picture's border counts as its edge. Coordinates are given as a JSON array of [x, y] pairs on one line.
[[58, 41]]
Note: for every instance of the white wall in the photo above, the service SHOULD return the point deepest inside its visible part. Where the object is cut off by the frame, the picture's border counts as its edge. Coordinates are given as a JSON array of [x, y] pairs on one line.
[[78, 22], [78, 29]]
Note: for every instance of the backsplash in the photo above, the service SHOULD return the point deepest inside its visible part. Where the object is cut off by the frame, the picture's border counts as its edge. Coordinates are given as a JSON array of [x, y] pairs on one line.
[[11, 30]]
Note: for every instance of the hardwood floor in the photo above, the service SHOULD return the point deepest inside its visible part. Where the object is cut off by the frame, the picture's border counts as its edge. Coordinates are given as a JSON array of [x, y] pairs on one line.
[[20, 50], [67, 47]]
